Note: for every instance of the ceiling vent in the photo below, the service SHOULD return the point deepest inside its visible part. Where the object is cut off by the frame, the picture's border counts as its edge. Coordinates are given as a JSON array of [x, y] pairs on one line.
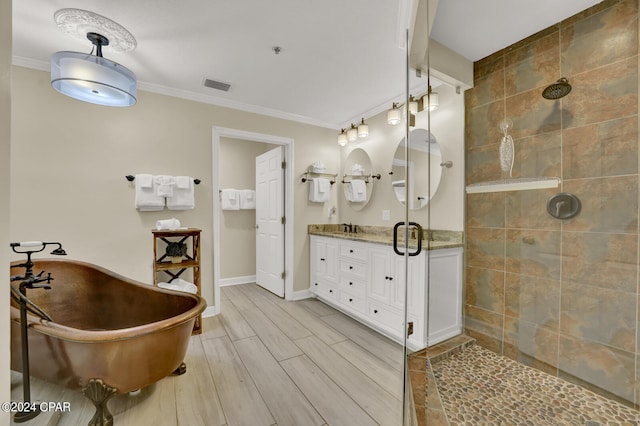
[[216, 85]]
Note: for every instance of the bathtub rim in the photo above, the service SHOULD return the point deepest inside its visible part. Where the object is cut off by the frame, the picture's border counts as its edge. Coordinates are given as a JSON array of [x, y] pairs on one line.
[[54, 329]]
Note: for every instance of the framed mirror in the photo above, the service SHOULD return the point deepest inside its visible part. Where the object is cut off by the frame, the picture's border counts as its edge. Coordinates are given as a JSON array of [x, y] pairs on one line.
[[424, 159], [357, 182]]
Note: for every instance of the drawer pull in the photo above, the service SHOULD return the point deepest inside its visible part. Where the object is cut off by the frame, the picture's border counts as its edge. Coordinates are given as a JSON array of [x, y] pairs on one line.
[[350, 267], [350, 300], [350, 251], [330, 291], [322, 259], [350, 283], [316, 284], [375, 311]]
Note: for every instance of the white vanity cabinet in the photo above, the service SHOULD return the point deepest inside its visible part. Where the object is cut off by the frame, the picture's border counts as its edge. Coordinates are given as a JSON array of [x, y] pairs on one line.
[[365, 280]]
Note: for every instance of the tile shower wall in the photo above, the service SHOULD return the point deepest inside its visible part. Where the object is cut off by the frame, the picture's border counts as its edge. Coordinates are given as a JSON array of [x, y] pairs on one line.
[[561, 296]]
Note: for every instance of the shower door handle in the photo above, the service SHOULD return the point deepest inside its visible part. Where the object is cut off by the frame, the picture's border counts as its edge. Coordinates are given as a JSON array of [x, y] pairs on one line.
[[395, 238]]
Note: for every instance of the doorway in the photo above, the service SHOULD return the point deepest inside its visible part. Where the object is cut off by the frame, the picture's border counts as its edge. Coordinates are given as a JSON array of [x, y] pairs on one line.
[[287, 144]]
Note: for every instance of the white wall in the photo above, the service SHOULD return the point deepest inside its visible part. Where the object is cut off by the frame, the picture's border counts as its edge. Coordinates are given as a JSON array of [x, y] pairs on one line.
[[5, 164], [238, 227], [69, 160], [447, 205]]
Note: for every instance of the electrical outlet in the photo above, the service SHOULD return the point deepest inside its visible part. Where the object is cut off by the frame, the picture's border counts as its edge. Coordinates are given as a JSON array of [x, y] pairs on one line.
[[386, 215]]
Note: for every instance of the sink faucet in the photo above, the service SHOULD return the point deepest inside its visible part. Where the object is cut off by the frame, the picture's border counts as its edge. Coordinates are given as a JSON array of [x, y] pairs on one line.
[[349, 227]]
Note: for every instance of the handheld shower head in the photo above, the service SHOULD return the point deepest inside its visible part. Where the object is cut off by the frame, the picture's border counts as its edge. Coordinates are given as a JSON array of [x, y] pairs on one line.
[[59, 252], [557, 90]]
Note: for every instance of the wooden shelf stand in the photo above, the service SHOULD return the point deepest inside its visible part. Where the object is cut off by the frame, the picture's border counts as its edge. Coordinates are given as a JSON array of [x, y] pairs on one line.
[[163, 265]]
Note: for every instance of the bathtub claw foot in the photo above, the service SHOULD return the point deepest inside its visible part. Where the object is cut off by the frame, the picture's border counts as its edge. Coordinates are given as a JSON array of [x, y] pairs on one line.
[[99, 393], [180, 370]]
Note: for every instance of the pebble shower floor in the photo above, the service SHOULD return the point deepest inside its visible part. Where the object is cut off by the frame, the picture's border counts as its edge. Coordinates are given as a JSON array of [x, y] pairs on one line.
[[480, 387]]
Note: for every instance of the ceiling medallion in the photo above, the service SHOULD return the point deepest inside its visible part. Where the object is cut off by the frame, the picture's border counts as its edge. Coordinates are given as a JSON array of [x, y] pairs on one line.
[[78, 23]]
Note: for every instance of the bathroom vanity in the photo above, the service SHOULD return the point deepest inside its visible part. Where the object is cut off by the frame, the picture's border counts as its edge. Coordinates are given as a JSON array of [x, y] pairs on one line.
[[361, 275]]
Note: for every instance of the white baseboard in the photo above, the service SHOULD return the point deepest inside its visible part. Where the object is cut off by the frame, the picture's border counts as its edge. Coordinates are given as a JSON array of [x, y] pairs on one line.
[[299, 295], [237, 280], [210, 311]]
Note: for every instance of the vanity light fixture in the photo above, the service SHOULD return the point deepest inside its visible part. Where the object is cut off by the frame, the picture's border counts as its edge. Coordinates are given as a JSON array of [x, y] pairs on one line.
[[89, 78], [431, 99], [413, 105], [352, 133], [363, 129], [394, 115], [342, 138]]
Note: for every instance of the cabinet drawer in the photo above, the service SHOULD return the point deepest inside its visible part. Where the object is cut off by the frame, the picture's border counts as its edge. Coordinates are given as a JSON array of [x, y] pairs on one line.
[[387, 317], [353, 286], [324, 289], [352, 268], [354, 251], [353, 302]]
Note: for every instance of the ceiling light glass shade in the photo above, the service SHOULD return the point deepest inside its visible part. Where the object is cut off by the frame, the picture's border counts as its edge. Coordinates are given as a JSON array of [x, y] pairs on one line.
[[93, 79], [363, 129], [342, 138], [352, 134], [433, 101], [394, 116]]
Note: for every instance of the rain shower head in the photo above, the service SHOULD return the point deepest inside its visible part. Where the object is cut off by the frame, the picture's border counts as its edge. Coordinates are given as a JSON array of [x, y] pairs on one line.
[[557, 90]]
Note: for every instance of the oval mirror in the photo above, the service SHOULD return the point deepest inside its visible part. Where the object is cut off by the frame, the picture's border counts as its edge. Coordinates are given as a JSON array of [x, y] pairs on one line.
[[424, 155], [357, 182]]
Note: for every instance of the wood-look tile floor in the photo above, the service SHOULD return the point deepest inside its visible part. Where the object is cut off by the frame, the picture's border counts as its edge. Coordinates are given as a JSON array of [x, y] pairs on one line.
[[262, 361]]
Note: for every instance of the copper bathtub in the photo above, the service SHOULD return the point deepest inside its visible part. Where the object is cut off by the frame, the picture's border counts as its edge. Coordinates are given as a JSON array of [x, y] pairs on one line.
[[107, 331]]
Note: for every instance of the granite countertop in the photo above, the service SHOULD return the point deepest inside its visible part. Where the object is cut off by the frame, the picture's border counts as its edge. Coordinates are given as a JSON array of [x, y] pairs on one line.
[[433, 239]]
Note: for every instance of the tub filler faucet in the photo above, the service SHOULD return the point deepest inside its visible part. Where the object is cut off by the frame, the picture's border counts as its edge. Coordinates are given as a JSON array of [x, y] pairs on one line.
[[29, 280]]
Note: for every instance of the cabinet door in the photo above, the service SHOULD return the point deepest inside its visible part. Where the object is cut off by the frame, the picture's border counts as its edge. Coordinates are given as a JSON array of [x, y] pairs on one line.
[[324, 256], [379, 281]]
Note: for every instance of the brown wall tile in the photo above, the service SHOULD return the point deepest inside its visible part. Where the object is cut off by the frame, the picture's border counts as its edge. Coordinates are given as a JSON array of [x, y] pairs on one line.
[[533, 65], [486, 210], [605, 93], [481, 127], [528, 209], [531, 252], [601, 260], [602, 366], [485, 248], [532, 114], [533, 299], [608, 204], [530, 344], [602, 38], [485, 289], [538, 155], [599, 315], [603, 149], [482, 164]]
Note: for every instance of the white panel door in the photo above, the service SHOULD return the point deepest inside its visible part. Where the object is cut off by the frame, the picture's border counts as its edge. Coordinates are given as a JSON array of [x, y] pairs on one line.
[[269, 226]]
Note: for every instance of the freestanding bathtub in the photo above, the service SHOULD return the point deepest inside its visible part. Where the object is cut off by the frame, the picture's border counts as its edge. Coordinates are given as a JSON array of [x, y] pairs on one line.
[[109, 334]]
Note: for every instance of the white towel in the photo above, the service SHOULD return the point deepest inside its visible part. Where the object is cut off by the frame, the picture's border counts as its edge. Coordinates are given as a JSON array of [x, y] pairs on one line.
[[357, 191], [146, 199], [164, 185], [323, 185], [315, 195], [230, 199], [183, 197], [247, 199], [167, 224], [179, 284], [183, 182]]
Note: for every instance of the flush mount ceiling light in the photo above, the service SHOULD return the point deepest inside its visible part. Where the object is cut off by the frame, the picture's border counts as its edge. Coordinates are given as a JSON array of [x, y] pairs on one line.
[[89, 78]]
